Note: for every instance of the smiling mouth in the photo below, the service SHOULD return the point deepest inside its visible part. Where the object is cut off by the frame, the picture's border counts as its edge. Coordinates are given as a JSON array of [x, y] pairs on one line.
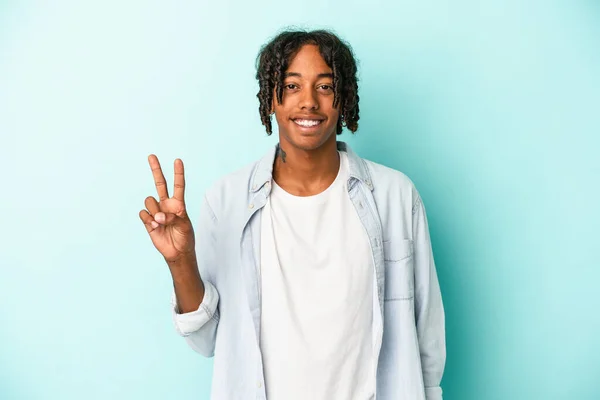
[[308, 123]]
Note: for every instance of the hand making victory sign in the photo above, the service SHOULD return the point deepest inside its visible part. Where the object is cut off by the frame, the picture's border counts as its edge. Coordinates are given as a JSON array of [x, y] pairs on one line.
[[166, 220], [172, 233]]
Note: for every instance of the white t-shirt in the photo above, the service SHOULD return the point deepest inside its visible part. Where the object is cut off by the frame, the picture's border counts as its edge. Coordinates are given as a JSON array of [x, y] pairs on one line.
[[317, 296]]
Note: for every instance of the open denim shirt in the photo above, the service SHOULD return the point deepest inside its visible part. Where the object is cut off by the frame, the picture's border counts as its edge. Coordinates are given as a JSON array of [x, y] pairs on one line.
[[408, 315]]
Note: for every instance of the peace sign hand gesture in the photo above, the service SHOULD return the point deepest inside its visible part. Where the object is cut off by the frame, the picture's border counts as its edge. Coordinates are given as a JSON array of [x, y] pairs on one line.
[[166, 220]]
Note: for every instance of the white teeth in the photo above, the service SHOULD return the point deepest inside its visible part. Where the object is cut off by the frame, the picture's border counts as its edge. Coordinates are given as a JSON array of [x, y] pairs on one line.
[[307, 122]]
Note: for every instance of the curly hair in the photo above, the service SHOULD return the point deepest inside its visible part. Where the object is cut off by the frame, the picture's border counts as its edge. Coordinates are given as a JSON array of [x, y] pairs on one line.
[[275, 56]]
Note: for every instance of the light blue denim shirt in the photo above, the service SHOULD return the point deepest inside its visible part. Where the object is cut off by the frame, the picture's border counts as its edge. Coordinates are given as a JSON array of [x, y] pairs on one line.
[[408, 323]]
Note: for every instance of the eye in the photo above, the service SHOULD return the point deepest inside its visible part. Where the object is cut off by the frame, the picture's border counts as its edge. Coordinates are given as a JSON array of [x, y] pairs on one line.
[[290, 86], [327, 88]]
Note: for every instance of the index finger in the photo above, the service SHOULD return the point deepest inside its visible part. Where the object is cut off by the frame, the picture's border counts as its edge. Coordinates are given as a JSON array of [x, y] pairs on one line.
[[179, 190], [159, 178]]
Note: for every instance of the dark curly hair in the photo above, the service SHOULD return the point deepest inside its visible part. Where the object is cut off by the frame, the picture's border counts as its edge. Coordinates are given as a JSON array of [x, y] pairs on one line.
[[275, 56]]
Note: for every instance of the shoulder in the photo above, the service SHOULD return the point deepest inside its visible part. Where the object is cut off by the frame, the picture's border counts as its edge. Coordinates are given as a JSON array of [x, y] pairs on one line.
[[392, 188], [387, 178], [231, 187], [396, 198]]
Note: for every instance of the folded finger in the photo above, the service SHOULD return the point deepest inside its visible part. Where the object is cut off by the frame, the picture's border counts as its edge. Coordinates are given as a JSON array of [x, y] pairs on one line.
[[152, 205], [148, 221]]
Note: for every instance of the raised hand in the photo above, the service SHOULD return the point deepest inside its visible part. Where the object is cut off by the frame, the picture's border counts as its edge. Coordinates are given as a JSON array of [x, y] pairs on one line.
[[166, 220]]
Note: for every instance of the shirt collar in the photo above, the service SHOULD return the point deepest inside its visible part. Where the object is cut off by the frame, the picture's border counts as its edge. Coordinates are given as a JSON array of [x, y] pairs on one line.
[[263, 173]]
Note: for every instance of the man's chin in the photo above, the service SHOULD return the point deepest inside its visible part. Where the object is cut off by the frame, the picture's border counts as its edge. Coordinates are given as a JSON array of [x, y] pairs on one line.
[[309, 142]]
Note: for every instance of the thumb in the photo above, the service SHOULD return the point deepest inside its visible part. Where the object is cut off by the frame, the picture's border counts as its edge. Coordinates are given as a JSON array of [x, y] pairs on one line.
[[165, 218], [160, 217]]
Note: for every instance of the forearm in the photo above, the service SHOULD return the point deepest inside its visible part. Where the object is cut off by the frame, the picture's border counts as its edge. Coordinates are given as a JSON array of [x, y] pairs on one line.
[[432, 345], [195, 307], [188, 285], [429, 309]]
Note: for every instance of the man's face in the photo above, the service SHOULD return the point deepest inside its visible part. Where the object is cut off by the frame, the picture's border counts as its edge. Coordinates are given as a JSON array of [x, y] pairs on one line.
[[306, 117]]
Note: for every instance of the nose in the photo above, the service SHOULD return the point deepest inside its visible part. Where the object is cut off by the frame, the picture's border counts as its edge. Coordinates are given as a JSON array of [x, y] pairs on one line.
[[308, 99]]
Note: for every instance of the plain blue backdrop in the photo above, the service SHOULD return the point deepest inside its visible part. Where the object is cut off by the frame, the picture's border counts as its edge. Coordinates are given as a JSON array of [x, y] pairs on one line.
[[491, 108]]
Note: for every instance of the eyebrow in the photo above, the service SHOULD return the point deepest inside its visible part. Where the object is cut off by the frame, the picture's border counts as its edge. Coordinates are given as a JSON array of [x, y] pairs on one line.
[[296, 74]]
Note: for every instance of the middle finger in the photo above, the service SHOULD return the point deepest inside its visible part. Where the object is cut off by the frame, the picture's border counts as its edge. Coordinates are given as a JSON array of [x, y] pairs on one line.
[[159, 178]]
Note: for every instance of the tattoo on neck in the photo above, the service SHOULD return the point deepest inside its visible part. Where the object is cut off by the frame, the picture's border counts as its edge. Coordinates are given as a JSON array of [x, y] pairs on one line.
[[282, 154]]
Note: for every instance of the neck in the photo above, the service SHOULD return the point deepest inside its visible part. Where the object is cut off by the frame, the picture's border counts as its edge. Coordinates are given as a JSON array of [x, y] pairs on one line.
[[306, 172]]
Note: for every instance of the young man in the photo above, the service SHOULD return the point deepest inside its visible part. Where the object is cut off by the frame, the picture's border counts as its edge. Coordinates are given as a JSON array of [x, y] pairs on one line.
[[312, 274]]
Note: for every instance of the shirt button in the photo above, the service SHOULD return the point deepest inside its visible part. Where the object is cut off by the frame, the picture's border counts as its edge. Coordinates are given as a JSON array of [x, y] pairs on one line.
[[259, 384], [251, 206]]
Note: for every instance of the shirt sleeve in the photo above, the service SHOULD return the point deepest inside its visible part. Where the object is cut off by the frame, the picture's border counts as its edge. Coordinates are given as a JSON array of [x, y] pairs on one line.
[[199, 327], [429, 310], [190, 322]]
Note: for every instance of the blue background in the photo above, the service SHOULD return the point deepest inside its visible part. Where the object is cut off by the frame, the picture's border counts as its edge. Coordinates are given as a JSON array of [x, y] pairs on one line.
[[492, 109]]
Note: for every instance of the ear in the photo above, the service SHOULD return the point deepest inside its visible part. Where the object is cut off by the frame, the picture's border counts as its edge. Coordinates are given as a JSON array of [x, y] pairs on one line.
[[274, 101]]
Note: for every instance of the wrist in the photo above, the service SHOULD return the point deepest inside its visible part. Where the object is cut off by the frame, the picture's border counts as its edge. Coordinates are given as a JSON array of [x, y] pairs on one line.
[[185, 262]]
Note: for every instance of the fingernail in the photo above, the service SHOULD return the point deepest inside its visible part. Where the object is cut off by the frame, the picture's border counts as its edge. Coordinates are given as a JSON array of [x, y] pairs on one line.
[[160, 217], [154, 224]]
